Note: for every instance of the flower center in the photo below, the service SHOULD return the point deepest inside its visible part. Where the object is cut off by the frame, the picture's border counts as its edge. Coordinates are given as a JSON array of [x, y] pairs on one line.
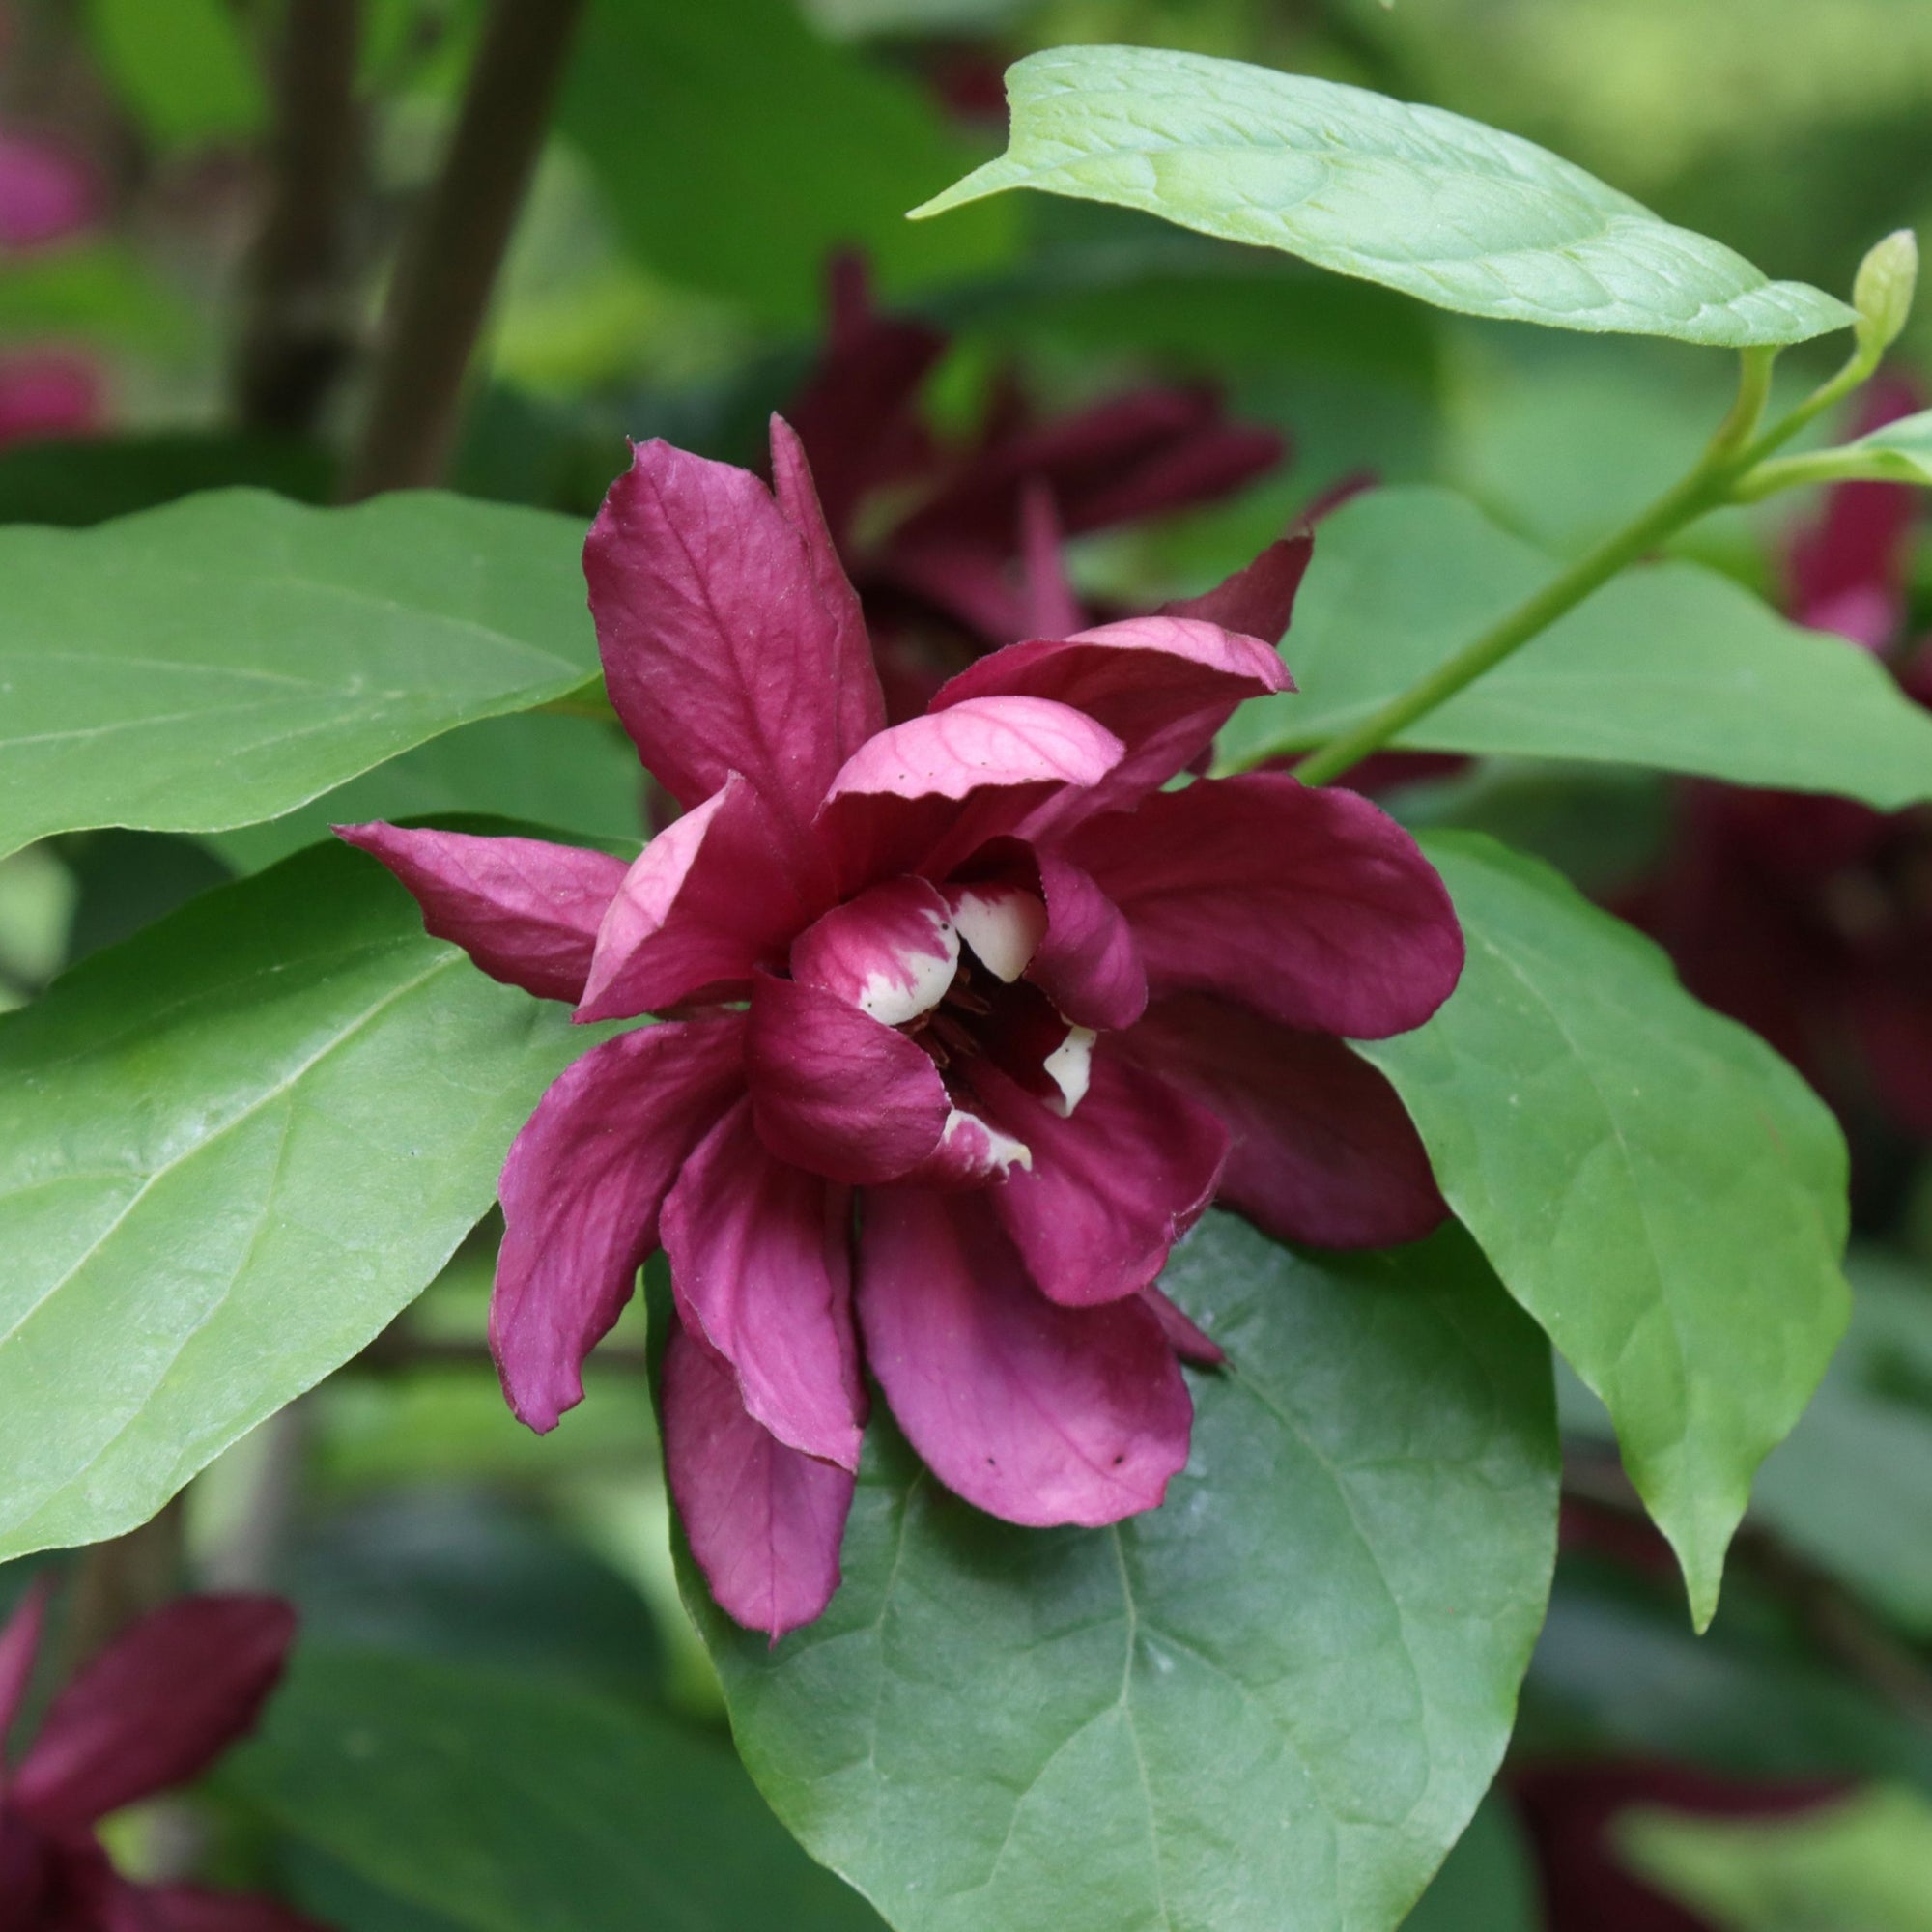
[[945, 966]]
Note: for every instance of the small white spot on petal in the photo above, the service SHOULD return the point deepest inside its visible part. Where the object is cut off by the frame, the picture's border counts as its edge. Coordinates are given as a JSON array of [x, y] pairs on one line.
[[1003, 924], [1070, 1066], [992, 1151]]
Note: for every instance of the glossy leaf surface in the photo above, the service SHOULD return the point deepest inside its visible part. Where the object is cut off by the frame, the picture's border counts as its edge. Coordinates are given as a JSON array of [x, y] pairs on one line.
[[233, 655], [1273, 1703], [231, 1149]]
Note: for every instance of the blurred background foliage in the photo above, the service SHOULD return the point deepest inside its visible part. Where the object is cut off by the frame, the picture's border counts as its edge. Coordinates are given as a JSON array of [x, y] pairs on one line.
[[491, 1621]]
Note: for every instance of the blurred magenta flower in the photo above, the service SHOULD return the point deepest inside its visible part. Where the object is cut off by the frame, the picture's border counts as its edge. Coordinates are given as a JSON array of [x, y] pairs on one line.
[[151, 1712], [966, 1020], [46, 193], [47, 393], [1810, 918], [46, 196], [955, 551]]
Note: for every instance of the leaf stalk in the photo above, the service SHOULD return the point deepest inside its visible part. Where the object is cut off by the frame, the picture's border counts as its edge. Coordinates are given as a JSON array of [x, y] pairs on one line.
[[1720, 477]]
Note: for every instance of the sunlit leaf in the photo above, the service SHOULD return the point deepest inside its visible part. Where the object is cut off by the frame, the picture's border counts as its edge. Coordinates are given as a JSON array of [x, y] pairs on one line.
[[1442, 208]]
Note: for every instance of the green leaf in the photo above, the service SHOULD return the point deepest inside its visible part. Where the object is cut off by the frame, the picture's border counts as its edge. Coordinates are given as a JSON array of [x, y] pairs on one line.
[[1863, 1864], [1899, 452], [101, 292], [231, 1150], [514, 1806], [1670, 665], [1852, 1487], [1273, 1703], [807, 145], [576, 776], [184, 70], [229, 657], [1444, 208], [1486, 1884], [1650, 1180]]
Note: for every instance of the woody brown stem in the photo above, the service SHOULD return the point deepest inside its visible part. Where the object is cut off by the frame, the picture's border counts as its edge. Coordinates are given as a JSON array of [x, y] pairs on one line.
[[299, 330], [450, 261]]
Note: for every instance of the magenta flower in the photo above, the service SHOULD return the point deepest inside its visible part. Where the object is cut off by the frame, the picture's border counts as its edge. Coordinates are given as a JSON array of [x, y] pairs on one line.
[[966, 1020], [956, 551], [47, 194], [151, 1711], [48, 393]]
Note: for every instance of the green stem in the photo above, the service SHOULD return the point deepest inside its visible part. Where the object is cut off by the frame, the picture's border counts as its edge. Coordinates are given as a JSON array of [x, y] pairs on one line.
[[1733, 450]]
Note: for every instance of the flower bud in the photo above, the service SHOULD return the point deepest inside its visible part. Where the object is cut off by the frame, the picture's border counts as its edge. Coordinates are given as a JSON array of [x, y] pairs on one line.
[[1883, 292]]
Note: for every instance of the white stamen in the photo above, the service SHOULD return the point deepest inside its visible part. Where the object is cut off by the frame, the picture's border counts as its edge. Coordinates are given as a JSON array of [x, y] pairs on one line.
[[1003, 924], [1071, 1067]]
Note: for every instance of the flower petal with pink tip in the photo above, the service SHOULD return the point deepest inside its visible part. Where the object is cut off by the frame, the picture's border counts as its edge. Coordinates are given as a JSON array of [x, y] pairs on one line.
[[1313, 907], [764, 1521], [834, 1091], [1112, 1185], [762, 1263], [925, 795], [711, 901], [721, 650], [1163, 686], [582, 1192], [1037, 1413], [1324, 1151], [891, 952], [155, 1709], [527, 911]]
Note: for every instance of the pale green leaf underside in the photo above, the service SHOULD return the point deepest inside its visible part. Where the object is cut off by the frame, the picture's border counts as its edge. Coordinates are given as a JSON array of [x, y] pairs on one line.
[[234, 654], [1900, 452], [1442, 208], [1649, 1180], [1268, 1705], [231, 1150], [1671, 665]]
